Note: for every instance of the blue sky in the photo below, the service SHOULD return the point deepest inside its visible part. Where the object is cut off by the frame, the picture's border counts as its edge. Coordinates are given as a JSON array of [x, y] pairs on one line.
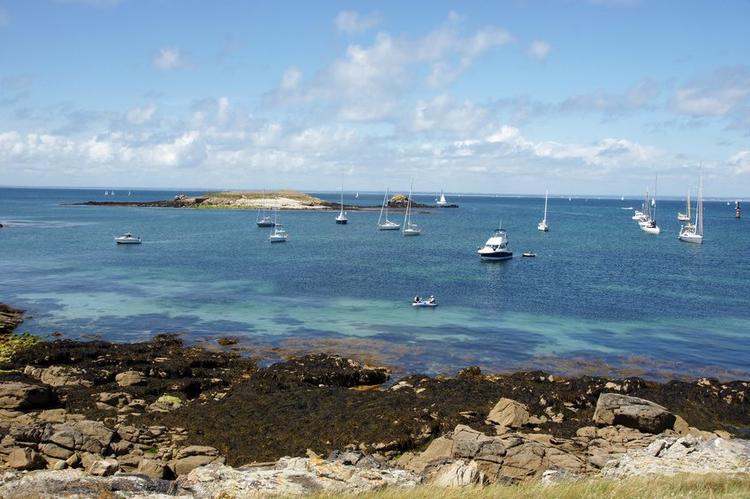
[[578, 96]]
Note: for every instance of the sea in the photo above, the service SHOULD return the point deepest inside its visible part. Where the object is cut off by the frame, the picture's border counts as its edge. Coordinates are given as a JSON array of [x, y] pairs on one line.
[[600, 297]]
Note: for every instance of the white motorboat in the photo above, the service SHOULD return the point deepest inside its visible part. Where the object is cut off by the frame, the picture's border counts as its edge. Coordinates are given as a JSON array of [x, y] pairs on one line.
[[410, 228], [262, 219], [279, 235], [685, 217], [496, 247], [341, 218], [543, 225], [128, 238], [441, 202], [693, 232], [428, 303], [383, 222], [528, 254]]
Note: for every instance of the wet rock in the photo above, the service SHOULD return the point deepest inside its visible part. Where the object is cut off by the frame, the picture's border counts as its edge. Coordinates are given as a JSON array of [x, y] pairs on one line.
[[323, 369], [9, 318], [509, 413], [129, 378], [25, 458], [633, 412], [20, 396]]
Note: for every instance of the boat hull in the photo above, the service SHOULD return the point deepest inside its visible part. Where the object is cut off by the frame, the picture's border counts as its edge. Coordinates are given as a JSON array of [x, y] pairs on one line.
[[496, 256], [341, 222], [265, 224], [691, 238], [651, 230], [389, 227], [412, 232], [277, 239], [124, 241], [543, 227], [424, 304]]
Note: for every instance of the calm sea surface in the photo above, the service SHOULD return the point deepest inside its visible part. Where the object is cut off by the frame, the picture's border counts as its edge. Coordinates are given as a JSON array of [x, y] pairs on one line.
[[601, 293]]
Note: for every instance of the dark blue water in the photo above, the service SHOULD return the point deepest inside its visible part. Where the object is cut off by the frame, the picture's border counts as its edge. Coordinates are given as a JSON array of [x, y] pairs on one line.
[[600, 295]]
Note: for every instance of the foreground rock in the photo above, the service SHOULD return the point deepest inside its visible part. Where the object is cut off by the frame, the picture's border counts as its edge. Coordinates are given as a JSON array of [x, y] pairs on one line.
[[10, 318], [76, 483], [670, 456]]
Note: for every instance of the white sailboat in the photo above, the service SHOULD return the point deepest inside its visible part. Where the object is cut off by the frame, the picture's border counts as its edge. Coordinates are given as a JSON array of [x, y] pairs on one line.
[[262, 219], [543, 225], [410, 229], [384, 223], [685, 217], [279, 235], [693, 233], [341, 218], [441, 202], [650, 226]]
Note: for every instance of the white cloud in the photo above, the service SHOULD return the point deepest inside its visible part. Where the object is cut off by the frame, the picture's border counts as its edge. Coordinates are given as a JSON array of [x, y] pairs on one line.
[[352, 22], [367, 82], [170, 58], [539, 50], [140, 115], [719, 93], [740, 163]]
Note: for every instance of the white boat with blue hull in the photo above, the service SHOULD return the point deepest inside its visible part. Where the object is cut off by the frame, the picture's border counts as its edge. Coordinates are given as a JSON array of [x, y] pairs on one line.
[[496, 248]]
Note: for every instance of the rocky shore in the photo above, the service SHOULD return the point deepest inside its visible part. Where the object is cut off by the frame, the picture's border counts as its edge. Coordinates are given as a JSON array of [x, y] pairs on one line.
[[282, 200], [162, 418]]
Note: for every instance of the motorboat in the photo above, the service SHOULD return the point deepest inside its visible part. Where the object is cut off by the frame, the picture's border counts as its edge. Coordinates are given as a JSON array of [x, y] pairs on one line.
[[693, 232], [128, 238], [341, 218], [543, 225], [383, 222], [410, 228], [496, 247], [428, 303], [528, 254]]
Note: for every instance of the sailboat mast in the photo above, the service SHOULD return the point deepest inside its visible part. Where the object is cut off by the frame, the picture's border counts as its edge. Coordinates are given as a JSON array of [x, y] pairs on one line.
[[546, 193], [688, 205], [384, 207], [699, 208]]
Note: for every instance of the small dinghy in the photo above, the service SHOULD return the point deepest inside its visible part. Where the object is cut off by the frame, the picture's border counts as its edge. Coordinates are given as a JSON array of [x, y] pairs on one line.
[[529, 254], [419, 302], [128, 238]]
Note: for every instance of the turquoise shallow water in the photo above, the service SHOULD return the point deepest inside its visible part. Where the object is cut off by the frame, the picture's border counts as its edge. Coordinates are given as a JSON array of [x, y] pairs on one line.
[[600, 292]]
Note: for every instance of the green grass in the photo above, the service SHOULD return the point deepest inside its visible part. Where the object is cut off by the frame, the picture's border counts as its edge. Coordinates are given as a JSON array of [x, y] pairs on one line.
[[680, 486]]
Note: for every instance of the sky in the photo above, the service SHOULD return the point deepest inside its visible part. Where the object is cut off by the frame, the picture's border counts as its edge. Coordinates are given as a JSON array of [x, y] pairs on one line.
[[511, 97]]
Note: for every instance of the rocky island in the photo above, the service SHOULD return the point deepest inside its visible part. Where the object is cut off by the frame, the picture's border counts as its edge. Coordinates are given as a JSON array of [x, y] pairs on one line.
[[252, 200], [161, 418]]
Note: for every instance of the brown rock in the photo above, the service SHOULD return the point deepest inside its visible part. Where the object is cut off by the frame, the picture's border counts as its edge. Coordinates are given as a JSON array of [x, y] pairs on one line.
[[16, 395], [151, 468], [104, 467], [633, 412], [64, 376], [25, 458], [439, 449], [508, 412], [130, 378]]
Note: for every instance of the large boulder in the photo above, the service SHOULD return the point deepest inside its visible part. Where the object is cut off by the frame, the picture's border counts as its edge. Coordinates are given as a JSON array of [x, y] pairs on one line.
[[130, 378], [633, 412], [509, 413], [194, 456], [20, 396], [25, 458], [77, 483]]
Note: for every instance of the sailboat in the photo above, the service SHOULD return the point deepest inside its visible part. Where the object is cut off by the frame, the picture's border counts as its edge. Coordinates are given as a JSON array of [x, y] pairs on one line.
[[441, 202], [341, 218], [385, 224], [543, 225], [279, 235], [410, 229], [262, 219], [650, 226], [693, 233], [685, 217]]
